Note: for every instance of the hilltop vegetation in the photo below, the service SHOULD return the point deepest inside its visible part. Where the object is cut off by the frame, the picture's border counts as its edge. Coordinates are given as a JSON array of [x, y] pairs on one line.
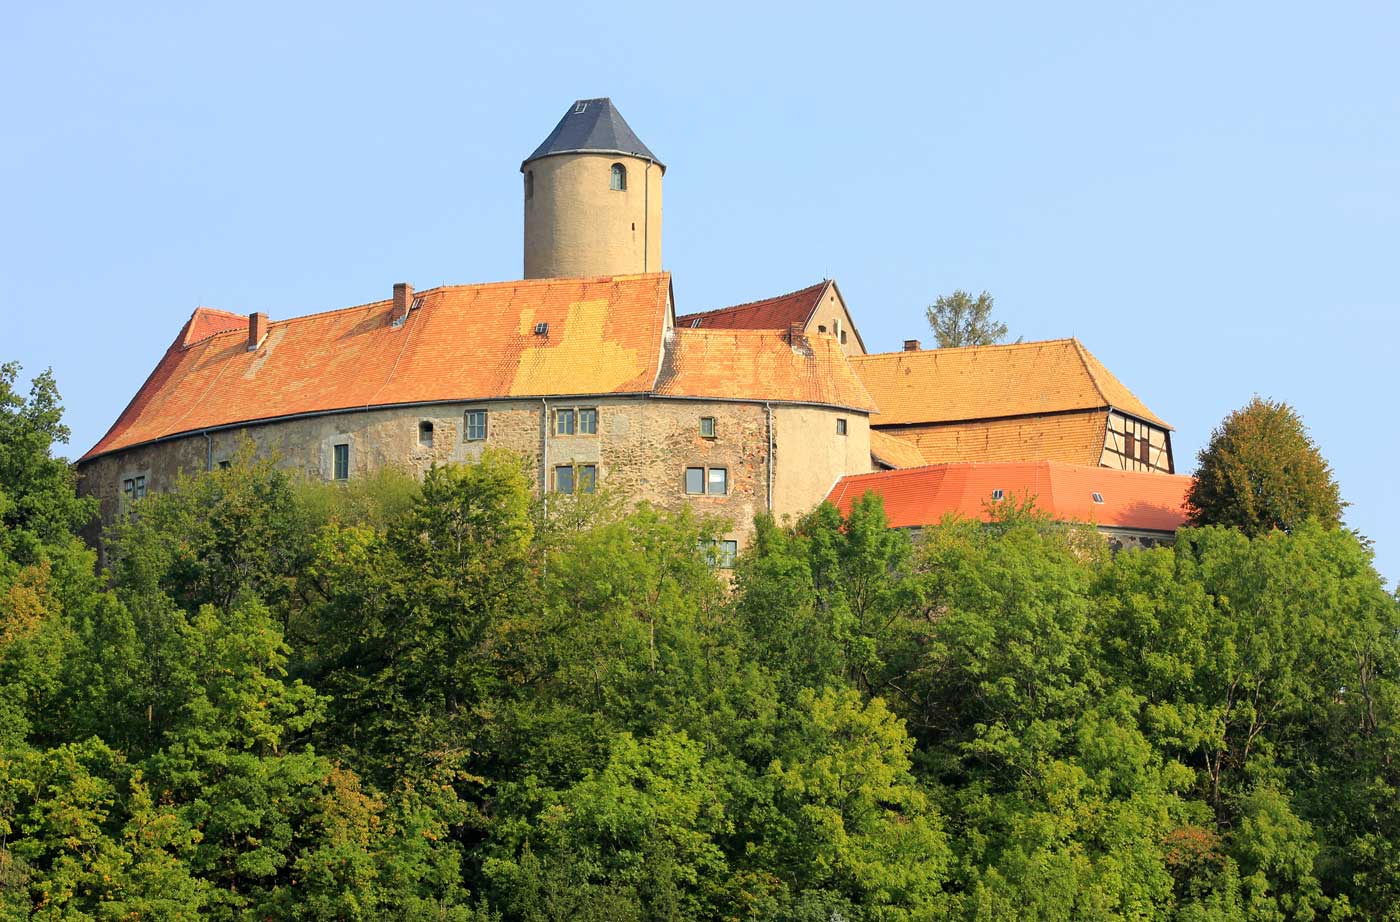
[[284, 700]]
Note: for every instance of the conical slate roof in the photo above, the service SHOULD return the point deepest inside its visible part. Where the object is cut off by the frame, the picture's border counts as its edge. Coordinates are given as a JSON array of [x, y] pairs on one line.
[[592, 125]]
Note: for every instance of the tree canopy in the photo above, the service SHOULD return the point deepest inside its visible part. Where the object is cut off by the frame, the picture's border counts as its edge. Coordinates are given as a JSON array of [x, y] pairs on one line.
[[959, 319], [441, 700], [1260, 471]]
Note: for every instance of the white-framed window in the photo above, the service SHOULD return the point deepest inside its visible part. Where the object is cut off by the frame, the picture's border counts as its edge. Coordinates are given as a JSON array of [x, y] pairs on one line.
[[576, 421], [474, 426], [707, 481], [617, 178]]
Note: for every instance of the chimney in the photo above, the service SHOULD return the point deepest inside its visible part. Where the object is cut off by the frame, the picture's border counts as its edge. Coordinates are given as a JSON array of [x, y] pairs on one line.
[[911, 345], [403, 297], [795, 334], [257, 329]]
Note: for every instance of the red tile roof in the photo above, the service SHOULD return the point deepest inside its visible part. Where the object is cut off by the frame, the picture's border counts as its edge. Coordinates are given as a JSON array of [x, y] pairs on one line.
[[605, 336], [924, 495], [464, 342], [760, 365], [987, 382], [778, 313]]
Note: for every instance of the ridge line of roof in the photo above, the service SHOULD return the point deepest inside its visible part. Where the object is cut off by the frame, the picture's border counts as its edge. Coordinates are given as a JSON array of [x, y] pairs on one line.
[[1079, 351], [732, 307], [946, 349]]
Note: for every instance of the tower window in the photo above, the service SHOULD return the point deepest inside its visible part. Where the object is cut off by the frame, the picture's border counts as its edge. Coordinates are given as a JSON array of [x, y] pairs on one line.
[[529, 184], [618, 182]]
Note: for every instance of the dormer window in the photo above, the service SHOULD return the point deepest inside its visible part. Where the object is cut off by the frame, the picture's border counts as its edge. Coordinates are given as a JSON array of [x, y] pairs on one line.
[[618, 182]]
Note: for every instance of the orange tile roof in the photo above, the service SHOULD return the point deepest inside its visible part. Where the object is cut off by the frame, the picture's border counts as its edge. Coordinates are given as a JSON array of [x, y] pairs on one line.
[[894, 452], [760, 365], [924, 495], [1073, 438], [987, 382], [464, 342], [778, 313]]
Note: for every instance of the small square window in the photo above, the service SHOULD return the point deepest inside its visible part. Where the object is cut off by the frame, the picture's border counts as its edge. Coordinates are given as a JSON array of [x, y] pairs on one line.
[[840, 426], [476, 425], [564, 422], [564, 479], [718, 481], [588, 422], [342, 462], [587, 476], [707, 427], [695, 480]]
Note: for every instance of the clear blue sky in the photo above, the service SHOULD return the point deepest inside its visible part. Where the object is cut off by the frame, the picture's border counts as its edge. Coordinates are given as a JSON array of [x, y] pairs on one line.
[[1208, 195]]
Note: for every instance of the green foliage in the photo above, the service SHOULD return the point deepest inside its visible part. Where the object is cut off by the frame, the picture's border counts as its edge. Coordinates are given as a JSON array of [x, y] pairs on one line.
[[451, 701], [959, 319], [1260, 471]]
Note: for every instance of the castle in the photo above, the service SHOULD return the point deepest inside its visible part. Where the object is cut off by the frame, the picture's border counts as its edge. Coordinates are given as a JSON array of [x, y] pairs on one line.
[[584, 369]]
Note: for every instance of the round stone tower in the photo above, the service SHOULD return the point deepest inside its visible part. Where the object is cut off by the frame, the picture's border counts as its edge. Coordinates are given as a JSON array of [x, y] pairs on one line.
[[592, 198]]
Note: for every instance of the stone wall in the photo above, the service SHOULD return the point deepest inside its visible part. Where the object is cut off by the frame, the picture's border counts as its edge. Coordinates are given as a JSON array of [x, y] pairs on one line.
[[642, 448]]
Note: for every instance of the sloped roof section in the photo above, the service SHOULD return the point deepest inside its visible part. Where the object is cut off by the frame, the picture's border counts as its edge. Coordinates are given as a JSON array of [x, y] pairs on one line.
[[760, 365], [1071, 438], [894, 452], [604, 336], [987, 382], [592, 125], [922, 496], [777, 313]]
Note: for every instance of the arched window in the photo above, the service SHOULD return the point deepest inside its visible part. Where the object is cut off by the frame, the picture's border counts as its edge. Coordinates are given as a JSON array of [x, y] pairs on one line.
[[529, 184], [619, 178]]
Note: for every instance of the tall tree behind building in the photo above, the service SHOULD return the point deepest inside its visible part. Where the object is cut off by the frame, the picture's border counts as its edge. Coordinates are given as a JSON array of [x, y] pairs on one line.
[[1261, 471], [959, 319]]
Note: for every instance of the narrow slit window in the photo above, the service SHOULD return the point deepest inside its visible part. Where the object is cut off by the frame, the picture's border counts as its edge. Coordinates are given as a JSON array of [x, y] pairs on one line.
[[618, 180], [529, 184], [476, 425], [342, 462]]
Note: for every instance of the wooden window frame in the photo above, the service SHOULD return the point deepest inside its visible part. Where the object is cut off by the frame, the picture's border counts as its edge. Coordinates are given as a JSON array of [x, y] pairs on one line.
[[467, 426]]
